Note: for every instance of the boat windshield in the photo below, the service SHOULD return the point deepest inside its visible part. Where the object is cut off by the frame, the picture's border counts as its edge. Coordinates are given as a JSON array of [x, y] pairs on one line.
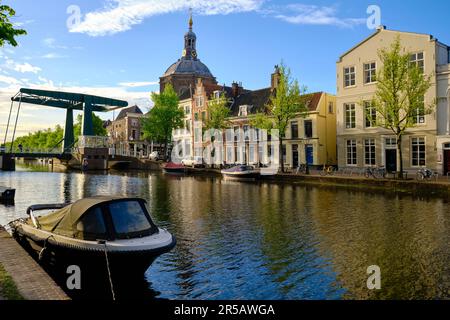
[[129, 218], [92, 226]]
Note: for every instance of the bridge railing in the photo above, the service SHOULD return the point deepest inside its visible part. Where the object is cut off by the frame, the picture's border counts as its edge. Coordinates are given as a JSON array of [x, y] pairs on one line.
[[25, 150]]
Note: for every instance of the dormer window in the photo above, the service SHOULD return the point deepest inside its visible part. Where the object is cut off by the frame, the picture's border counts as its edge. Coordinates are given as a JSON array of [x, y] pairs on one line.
[[243, 111]]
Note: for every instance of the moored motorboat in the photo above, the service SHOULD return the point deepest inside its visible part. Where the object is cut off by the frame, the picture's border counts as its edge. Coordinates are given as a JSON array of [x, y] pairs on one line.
[[174, 168], [241, 172], [97, 234]]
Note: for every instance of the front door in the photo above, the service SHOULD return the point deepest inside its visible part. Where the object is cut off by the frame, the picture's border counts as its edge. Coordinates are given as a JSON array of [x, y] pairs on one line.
[[391, 160], [295, 155], [309, 152], [446, 161]]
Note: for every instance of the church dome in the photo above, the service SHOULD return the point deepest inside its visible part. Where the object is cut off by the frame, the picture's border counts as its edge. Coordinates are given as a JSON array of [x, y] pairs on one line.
[[190, 67], [189, 64]]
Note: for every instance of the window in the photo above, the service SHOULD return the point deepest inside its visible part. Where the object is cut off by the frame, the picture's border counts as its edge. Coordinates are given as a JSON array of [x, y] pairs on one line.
[[133, 135], [196, 116], [418, 152], [284, 152], [308, 129], [197, 135], [204, 116], [91, 225], [217, 95], [243, 111], [370, 72], [391, 143], [230, 154], [134, 123], [187, 148], [350, 116], [246, 133], [418, 60], [188, 126], [349, 77], [369, 152], [351, 153], [294, 130], [129, 217], [199, 101], [236, 134], [330, 108], [187, 110], [419, 114], [370, 114]]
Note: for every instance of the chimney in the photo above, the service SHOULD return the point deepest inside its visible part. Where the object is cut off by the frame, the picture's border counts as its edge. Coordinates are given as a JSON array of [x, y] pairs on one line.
[[275, 78], [236, 89]]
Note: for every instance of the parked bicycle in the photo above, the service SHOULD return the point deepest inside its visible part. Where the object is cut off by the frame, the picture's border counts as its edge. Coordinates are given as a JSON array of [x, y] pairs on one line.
[[303, 169], [327, 171], [377, 173], [425, 174]]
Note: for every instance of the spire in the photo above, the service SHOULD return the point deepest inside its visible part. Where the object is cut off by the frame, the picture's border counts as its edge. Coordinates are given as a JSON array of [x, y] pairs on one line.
[[190, 39], [191, 21]]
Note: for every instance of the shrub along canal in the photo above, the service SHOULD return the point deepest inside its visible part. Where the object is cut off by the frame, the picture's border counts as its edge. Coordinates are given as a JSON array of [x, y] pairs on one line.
[[259, 240]]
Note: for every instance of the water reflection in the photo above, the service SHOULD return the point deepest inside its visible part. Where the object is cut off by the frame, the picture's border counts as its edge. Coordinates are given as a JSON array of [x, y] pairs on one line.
[[269, 241]]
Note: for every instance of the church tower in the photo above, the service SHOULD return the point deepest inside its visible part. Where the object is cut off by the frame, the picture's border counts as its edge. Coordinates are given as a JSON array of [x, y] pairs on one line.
[[184, 73]]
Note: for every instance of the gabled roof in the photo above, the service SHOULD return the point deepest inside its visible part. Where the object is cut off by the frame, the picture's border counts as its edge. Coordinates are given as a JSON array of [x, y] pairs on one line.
[[383, 29], [134, 109], [258, 99]]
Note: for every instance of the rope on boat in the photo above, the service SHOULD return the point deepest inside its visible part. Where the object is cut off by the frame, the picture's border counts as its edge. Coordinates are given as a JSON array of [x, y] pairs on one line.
[[109, 272], [41, 253]]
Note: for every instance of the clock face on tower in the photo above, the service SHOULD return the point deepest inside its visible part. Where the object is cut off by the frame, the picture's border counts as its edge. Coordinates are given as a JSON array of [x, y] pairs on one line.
[[194, 53], [184, 53]]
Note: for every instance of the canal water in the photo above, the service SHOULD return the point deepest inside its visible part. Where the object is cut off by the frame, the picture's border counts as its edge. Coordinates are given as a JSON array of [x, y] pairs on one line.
[[266, 240]]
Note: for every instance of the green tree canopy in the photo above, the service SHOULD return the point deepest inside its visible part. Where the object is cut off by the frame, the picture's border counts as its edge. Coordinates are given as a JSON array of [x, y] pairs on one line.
[[400, 94], [52, 138], [164, 117], [284, 105], [218, 113], [99, 129], [7, 30]]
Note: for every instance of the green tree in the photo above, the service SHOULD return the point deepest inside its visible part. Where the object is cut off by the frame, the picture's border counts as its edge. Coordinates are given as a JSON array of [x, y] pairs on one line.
[[51, 139], [99, 129], [218, 113], [284, 105], [400, 95], [7, 30], [164, 117]]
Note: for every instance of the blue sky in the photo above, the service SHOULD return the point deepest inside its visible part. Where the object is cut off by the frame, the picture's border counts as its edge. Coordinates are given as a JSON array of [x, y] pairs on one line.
[[120, 48]]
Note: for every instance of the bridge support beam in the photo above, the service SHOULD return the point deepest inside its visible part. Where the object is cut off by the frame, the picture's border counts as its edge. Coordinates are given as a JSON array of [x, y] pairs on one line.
[[68, 132], [7, 162], [88, 126]]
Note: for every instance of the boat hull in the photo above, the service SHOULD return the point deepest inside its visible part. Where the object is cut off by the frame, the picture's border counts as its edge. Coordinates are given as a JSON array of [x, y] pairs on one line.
[[96, 266], [250, 175]]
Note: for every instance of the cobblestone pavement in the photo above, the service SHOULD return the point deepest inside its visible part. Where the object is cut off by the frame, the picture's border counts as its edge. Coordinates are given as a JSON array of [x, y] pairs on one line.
[[31, 280]]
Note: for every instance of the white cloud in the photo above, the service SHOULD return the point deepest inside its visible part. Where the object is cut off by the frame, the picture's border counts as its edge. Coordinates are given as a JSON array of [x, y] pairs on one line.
[[51, 43], [121, 15], [316, 15], [21, 67], [52, 55], [10, 80], [138, 84]]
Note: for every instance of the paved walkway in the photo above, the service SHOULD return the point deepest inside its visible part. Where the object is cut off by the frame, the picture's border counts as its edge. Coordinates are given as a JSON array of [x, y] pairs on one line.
[[31, 280]]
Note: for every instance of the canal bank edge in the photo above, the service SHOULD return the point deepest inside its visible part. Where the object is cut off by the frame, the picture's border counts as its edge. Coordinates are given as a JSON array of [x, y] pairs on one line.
[[424, 188], [21, 271]]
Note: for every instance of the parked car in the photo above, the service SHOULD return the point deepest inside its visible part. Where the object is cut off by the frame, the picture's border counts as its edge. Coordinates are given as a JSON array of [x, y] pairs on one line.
[[154, 156], [192, 162]]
